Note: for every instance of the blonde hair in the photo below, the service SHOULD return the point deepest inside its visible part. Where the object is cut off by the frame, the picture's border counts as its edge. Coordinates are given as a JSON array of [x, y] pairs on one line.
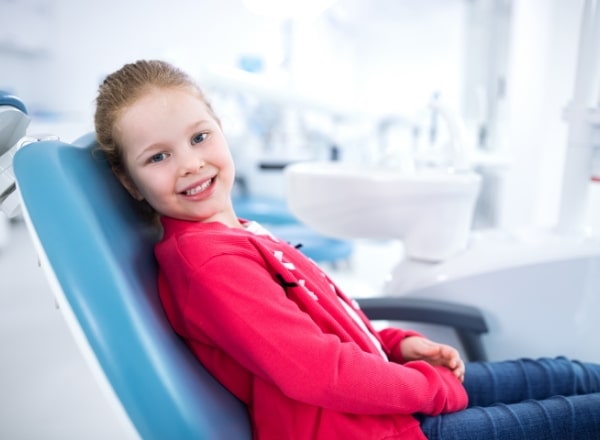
[[123, 88]]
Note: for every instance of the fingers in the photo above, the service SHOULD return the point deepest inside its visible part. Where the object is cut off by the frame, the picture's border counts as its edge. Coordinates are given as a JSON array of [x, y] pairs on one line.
[[457, 366], [414, 348], [459, 370], [450, 358], [448, 355]]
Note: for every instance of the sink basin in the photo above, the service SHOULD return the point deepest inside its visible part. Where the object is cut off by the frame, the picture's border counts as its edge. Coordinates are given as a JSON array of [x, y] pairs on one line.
[[430, 210]]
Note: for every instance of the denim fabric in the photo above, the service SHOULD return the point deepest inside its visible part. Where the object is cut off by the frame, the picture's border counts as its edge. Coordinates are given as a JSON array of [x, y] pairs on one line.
[[553, 399]]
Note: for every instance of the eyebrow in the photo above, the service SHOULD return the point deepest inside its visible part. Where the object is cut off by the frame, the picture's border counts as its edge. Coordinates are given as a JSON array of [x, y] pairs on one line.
[[145, 151]]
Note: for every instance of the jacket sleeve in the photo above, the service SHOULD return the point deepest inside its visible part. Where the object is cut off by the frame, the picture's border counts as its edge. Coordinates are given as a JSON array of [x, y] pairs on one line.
[[391, 338], [234, 303]]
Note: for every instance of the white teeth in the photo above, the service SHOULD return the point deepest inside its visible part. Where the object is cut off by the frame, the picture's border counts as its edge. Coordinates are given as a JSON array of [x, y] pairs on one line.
[[199, 188]]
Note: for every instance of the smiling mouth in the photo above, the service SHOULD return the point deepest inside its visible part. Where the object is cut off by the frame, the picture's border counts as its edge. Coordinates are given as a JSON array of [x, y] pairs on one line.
[[198, 189]]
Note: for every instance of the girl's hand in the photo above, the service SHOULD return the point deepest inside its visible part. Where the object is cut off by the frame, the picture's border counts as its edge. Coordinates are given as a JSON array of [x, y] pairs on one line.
[[416, 348]]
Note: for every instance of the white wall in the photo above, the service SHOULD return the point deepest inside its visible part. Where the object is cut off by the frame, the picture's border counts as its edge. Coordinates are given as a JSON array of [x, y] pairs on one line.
[[541, 80]]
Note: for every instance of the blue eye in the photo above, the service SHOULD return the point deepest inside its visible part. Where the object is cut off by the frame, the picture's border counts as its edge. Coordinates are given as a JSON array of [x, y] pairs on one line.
[[158, 157], [198, 138]]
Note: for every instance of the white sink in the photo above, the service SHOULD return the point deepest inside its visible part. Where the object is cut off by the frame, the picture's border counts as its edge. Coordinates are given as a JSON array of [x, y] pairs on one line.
[[430, 210]]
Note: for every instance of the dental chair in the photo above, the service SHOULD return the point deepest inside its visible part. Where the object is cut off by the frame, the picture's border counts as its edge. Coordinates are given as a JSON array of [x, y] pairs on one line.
[[97, 254]]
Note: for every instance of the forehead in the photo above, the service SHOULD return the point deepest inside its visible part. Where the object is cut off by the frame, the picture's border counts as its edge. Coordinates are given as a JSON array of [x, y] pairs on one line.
[[160, 111], [160, 100]]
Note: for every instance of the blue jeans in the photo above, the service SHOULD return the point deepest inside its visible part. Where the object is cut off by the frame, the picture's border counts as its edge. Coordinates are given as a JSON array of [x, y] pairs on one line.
[[525, 399]]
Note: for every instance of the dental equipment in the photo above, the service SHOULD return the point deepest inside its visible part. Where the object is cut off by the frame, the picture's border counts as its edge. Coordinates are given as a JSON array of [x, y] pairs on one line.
[[14, 121], [539, 289], [13, 126], [428, 204]]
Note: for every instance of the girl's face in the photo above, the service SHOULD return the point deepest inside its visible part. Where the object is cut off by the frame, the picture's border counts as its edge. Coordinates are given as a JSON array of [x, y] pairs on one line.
[[176, 157]]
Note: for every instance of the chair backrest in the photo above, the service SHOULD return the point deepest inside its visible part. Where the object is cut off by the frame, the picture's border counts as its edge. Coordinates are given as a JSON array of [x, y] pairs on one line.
[[99, 257]]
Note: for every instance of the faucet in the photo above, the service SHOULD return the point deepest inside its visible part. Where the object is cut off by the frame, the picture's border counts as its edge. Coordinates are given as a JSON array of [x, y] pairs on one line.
[[392, 154], [452, 155], [457, 157]]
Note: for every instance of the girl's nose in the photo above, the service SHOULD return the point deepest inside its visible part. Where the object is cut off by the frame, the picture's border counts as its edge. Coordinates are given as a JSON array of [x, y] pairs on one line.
[[190, 162]]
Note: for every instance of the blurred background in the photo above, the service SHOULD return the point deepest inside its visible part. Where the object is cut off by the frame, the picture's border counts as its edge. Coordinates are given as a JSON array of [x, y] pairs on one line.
[[332, 72], [338, 79]]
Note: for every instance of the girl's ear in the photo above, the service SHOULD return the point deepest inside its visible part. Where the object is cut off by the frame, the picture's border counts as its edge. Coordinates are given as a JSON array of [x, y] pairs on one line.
[[129, 185]]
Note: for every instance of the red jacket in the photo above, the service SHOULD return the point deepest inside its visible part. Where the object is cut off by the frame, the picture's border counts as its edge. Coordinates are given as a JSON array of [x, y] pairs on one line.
[[271, 327]]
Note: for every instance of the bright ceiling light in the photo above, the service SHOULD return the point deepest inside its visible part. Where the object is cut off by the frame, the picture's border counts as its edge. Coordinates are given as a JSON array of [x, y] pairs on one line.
[[285, 9]]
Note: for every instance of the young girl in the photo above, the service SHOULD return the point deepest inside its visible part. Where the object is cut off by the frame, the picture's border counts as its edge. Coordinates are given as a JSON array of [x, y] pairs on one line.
[[275, 330]]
